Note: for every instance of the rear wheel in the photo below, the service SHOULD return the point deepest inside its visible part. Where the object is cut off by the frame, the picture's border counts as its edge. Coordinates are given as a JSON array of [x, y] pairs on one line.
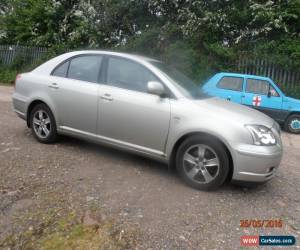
[[292, 124], [43, 124], [202, 162]]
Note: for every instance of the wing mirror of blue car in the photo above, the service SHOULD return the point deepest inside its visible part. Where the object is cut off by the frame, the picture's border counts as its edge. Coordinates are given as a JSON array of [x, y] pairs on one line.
[[156, 88]]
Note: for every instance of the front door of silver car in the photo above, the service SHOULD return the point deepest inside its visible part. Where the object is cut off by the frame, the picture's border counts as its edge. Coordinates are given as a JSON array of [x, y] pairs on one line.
[[128, 113]]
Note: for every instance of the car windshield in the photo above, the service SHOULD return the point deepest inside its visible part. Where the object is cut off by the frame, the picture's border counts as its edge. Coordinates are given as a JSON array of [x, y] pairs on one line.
[[184, 84]]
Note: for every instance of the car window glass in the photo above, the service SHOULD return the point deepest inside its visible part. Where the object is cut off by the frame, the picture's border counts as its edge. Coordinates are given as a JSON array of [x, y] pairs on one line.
[[231, 83], [85, 68], [125, 74], [257, 86], [61, 70], [273, 91]]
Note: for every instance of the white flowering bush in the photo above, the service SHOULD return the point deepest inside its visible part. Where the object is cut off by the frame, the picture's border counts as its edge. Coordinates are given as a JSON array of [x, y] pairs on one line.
[[210, 34]]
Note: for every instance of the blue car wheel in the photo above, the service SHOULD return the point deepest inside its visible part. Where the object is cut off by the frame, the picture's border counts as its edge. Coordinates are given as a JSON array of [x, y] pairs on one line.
[[292, 124]]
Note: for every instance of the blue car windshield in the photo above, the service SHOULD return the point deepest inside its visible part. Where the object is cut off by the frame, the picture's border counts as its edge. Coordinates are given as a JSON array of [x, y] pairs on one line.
[[184, 84]]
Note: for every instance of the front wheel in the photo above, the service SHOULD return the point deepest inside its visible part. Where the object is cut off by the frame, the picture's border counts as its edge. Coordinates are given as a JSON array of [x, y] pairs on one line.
[[42, 123], [202, 162], [292, 124]]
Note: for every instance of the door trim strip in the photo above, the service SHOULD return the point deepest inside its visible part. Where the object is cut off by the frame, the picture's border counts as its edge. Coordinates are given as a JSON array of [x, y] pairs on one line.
[[115, 142]]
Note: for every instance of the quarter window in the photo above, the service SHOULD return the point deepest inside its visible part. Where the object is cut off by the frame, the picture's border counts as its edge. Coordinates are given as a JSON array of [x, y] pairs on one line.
[[231, 83], [273, 91], [126, 74], [257, 86], [61, 70], [85, 68]]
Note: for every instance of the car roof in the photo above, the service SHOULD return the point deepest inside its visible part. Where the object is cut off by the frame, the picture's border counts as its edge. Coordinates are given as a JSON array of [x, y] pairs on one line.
[[113, 53], [243, 75], [47, 67]]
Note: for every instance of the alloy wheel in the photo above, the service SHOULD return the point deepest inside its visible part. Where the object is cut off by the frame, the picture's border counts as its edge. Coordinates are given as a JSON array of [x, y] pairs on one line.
[[41, 124], [201, 163]]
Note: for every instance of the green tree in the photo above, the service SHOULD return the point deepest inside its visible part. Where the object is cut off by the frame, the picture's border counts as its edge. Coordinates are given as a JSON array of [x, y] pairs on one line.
[[195, 34]]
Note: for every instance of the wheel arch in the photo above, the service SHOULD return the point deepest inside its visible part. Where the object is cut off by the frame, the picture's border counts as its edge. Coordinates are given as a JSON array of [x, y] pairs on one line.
[[285, 124], [30, 108], [172, 158], [293, 113], [288, 116]]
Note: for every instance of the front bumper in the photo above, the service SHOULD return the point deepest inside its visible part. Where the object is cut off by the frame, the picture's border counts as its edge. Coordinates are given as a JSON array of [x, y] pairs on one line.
[[256, 163]]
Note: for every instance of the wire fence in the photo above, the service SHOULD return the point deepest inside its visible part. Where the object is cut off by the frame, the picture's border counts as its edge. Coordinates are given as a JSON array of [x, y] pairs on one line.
[[10, 53], [286, 78]]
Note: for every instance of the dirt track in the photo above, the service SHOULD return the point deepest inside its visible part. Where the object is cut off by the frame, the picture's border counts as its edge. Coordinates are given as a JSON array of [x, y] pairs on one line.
[[138, 191]]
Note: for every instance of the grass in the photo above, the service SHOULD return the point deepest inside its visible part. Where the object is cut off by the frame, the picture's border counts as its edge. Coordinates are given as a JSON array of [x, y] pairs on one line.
[[70, 233], [7, 75], [106, 236]]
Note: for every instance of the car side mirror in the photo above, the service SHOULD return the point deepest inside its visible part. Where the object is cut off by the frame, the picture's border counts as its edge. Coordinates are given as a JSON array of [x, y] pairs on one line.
[[269, 93], [156, 88]]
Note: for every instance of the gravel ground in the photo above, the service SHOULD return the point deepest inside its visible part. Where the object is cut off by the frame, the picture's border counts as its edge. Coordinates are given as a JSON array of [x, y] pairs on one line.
[[138, 191]]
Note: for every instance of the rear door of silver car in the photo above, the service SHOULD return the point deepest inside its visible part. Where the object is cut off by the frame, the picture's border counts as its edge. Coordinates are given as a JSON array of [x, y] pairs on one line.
[[74, 89]]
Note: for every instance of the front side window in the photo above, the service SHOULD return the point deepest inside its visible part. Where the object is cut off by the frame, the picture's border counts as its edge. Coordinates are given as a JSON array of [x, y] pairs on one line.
[[273, 91], [61, 70], [181, 82], [257, 86], [85, 68], [126, 74], [231, 83]]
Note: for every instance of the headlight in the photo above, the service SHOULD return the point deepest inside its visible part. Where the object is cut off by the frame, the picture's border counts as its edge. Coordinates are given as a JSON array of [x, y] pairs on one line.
[[262, 136]]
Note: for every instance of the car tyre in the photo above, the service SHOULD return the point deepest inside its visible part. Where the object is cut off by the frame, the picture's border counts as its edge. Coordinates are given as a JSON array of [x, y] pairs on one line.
[[292, 124], [43, 124], [202, 162]]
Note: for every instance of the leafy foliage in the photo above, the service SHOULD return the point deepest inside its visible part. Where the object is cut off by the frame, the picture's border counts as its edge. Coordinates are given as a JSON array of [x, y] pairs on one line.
[[200, 37], [7, 75]]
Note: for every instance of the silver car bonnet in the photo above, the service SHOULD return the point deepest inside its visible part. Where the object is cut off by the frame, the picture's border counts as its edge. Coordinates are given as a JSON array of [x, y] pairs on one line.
[[232, 111]]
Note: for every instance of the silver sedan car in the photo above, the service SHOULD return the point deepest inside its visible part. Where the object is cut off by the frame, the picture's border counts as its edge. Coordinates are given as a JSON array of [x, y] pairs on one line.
[[144, 106]]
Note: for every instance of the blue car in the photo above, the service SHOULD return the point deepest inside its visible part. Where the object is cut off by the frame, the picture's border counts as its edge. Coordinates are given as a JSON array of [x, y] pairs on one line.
[[257, 92]]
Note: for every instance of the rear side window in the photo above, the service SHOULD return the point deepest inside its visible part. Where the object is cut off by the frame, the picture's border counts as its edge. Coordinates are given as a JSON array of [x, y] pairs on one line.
[[231, 83], [257, 86], [61, 70], [85, 68]]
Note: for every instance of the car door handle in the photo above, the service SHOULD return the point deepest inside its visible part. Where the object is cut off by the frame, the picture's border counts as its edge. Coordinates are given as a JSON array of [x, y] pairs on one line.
[[53, 86], [106, 97]]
